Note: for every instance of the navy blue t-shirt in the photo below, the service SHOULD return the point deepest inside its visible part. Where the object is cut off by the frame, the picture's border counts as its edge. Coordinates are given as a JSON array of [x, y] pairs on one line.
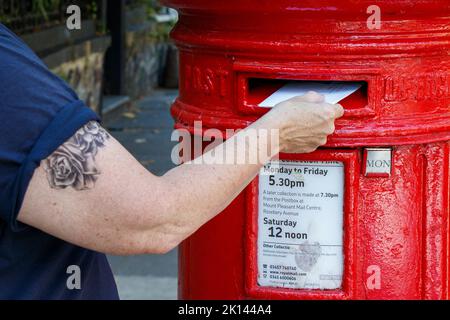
[[38, 113]]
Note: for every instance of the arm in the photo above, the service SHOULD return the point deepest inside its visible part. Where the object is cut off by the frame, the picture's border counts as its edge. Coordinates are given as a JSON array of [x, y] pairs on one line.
[[118, 207]]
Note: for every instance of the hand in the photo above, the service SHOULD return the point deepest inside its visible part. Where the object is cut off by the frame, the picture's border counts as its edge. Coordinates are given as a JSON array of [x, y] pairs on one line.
[[305, 122]]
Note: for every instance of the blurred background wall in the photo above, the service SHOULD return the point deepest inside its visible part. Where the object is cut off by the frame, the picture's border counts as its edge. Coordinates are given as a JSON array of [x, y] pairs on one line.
[[123, 65], [121, 53]]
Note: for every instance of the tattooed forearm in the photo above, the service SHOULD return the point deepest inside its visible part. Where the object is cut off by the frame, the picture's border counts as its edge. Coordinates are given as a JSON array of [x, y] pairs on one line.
[[73, 163]]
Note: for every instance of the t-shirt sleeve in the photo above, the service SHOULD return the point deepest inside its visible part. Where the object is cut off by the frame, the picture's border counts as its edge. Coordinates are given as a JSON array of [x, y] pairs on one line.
[[38, 113]]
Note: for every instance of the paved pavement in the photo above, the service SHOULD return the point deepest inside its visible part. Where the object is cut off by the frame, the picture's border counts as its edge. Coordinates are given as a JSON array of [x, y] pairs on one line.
[[145, 129]]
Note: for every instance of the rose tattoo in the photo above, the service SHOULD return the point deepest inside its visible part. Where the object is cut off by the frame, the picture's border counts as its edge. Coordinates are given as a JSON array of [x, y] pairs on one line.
[[73, 163]]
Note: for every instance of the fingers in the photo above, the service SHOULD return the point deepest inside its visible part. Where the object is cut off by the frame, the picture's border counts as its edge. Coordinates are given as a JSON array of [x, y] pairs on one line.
[[336, 110], [339, 111], [329, 129], [322, 140], [312, 97]]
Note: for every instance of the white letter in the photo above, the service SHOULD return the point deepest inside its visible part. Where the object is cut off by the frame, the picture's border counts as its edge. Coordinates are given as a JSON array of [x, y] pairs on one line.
[[198, 142], [215, 156], [74, 281], [267, 144], [181, 153], [374, 21], [74, 21], [374, 280], [230, 146], [247, 146]]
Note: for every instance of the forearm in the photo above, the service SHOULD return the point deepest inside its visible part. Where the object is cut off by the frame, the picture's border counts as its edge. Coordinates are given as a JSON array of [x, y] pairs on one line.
[[197, 191], [131, 211], [103, 199]]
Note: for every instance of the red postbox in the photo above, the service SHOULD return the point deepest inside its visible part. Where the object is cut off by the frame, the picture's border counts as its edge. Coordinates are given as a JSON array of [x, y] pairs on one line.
[[366, 216]]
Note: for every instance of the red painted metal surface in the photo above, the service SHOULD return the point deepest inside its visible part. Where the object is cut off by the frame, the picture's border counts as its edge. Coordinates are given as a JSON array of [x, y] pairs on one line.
[[233, 53]]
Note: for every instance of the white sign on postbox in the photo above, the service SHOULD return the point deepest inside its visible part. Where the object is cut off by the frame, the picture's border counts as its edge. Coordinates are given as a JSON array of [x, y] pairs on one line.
[[300, 225]]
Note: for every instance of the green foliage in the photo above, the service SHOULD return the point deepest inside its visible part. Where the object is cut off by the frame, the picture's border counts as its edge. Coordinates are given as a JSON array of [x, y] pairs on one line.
[[161, 31], [43, 6], [31, 15]]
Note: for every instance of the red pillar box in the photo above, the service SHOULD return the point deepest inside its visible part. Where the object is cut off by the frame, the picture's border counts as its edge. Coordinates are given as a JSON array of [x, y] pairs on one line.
[[365, 217]]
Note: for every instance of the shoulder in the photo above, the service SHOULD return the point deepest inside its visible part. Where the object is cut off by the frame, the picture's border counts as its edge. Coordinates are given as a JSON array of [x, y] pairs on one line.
[[24, 75], [31, 96], [38, 111]]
